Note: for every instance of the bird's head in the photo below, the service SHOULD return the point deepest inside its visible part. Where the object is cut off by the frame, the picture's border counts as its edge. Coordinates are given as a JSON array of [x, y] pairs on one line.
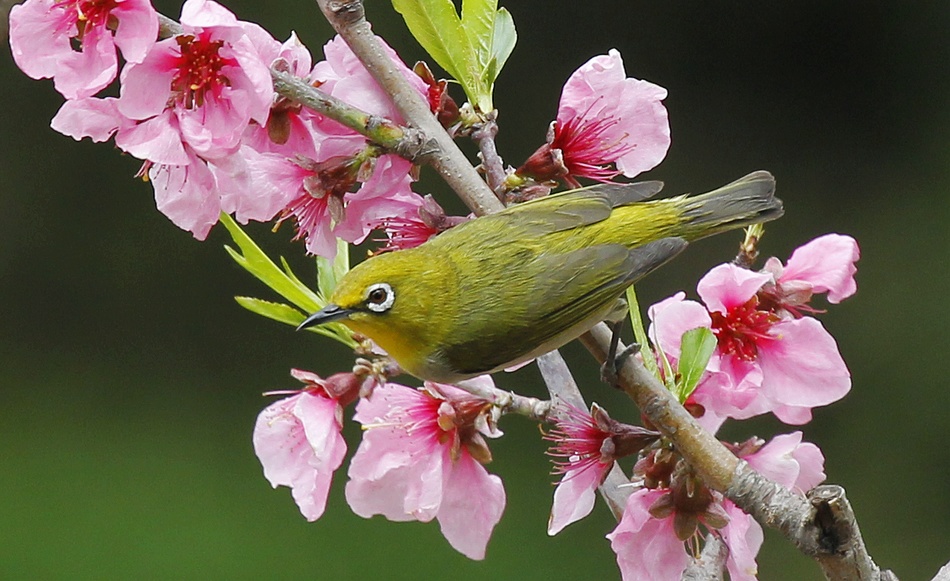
[[396, 299]]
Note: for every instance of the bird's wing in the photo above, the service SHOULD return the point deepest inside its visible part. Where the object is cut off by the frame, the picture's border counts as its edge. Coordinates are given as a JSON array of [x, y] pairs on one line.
[[573, 208], [576, 288], [600, 277]]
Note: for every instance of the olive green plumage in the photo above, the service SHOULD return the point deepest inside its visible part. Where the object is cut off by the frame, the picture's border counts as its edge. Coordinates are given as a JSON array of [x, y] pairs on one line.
[[505, 288]]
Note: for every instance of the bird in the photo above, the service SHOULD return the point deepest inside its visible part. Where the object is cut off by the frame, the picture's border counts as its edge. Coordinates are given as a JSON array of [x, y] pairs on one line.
[[503, 289]]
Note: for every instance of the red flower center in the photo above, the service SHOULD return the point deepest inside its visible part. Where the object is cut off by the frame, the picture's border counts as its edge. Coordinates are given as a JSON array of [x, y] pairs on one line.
[[90, 14], [199, 69], [741, 328], [586, 150]]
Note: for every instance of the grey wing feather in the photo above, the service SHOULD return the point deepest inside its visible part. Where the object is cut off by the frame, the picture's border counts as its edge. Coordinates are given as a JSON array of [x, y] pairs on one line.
[[576, 208]]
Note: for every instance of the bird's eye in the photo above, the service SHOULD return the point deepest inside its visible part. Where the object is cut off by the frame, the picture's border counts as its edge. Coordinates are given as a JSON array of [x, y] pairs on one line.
[[380, 297]]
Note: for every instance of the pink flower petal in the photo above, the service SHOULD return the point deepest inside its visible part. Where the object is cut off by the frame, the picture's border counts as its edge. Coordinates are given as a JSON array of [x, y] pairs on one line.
[[138, 28], [205, 13], [91, 117], [299, 444], [145, 86], [471, 506], [85, 73], [574, 497], [787, 460], [39, 37], [392, 473], [647, 548], [156, 140], [802, 367], [674, 316], [727, 286], [249, 187], [827, 264], [743, 536], [187, 195], [729, 388]]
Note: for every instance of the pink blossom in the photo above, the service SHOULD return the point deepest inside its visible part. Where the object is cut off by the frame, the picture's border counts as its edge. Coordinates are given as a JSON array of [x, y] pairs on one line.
[[794, 464], [415, 229], [649, 545], [184, 110], [766, 360], [422, 457], [299, 443], [826, 264], [211, 78], [42, 33], [607, 124], [585, 448], [322, 201]]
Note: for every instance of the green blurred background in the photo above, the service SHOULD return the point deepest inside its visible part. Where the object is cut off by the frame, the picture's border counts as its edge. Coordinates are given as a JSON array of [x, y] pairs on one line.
[[130, 380]]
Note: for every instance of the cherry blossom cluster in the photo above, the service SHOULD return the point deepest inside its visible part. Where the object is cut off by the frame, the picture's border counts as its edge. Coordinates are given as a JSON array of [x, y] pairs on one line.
[[199, 109], [196, 103], [770, 357]]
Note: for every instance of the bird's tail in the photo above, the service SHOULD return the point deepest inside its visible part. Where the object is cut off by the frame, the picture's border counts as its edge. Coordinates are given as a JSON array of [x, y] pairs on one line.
[[748, 200]]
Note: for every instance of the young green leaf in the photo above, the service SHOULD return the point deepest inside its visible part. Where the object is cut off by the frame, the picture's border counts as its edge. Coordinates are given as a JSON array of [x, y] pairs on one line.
[[287, 314], [478, 21], [696, 347], [253, 260], [503, 43], [329, 272], [437, 27]]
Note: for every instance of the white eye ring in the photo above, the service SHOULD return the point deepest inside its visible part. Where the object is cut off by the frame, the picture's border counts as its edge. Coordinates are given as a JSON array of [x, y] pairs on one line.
[[380, 306]]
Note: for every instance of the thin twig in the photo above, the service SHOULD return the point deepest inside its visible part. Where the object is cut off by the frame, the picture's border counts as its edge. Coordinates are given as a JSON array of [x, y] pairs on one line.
[[406, 142], [494, 167], [509, 401]]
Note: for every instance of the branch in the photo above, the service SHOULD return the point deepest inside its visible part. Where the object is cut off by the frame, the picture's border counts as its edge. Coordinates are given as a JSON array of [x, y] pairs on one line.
[[484, 135], [347, 18], [509, 402], [562, 387], [711, 562], [821, 526], [405, 142]]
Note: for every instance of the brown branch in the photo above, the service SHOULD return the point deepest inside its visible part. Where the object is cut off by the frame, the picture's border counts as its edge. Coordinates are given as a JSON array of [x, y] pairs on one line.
[[347, 19], [821, 526]]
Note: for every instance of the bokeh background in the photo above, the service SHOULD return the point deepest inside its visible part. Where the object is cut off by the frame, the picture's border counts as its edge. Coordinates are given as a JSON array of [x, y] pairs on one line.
[[130, 380]]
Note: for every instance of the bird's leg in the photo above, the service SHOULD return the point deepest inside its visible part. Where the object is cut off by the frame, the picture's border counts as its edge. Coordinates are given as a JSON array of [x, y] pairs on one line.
[[610, 369]]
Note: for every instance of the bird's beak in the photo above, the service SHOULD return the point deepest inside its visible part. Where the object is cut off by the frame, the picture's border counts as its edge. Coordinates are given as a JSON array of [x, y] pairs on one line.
[[327, 314]]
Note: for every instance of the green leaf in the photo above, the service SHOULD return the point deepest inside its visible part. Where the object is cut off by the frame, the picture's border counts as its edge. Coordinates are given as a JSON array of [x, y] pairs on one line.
[[503, 43], [478, 21], [253, 260], [283, 313], [277, 311], [329, 272], [640, 334], [696, 347], [437, 27]]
